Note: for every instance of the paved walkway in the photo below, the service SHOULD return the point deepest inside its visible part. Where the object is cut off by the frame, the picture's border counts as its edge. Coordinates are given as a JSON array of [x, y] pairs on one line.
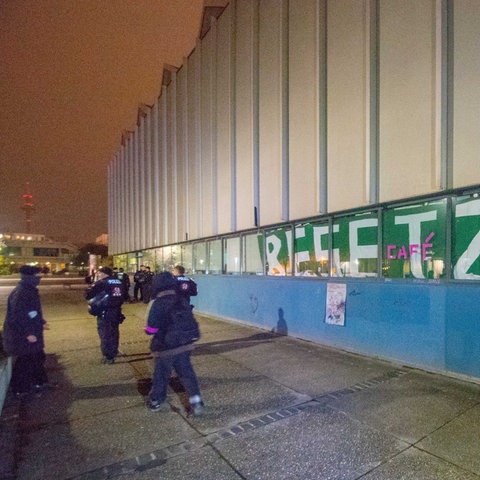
[[277, 408]]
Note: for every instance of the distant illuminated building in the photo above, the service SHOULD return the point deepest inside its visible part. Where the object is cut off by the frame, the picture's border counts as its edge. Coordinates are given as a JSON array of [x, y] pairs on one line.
[[102, 239], [19, 249]]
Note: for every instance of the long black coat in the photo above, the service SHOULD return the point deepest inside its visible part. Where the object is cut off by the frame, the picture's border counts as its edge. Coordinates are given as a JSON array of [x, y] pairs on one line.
[[24, 317]]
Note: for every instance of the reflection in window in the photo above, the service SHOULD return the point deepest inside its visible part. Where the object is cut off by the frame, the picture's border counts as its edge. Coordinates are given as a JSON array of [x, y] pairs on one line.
[[12, 251], [253, 254], [414, 241], [215, 256], [157, 254], [175, 257], [131, 263], [200, 257], [121, 262], [45, 252], [231, 255], [163, 260], [148, 259], [414, 245], [187, 255], [278, 252], [311, 250], [355, 246]]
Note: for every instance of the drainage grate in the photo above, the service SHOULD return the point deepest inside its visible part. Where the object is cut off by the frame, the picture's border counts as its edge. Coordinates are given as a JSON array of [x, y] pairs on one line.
[[361, 386], [159, 457]]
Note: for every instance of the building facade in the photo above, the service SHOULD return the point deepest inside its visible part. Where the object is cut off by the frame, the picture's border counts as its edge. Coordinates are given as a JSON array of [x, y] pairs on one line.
[[17, 249], [314, 164]]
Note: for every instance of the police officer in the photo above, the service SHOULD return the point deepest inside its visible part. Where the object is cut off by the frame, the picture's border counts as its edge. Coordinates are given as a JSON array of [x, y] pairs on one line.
[[107, 293], [186, 287], [139, 280], [147, 285], [125, 279]]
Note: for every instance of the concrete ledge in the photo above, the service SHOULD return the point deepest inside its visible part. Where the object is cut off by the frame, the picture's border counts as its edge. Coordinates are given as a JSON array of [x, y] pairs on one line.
[[5, 375]]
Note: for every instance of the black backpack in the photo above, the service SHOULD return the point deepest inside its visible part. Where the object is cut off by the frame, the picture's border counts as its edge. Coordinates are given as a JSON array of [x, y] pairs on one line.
[[98, 304], [111, 296], [183, 327]]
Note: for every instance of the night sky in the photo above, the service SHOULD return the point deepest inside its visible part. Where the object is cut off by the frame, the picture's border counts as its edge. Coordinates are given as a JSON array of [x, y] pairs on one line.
[[72, 75]]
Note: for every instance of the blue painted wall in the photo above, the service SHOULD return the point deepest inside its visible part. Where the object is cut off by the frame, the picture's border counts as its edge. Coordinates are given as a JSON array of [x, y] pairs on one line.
[[434, 326]]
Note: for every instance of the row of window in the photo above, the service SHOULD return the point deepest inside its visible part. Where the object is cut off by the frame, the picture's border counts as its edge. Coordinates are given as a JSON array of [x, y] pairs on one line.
[[434, 239], [11, 251]]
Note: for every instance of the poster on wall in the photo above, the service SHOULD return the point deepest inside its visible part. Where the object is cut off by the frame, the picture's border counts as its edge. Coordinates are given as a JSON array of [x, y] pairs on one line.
[[336, 299]]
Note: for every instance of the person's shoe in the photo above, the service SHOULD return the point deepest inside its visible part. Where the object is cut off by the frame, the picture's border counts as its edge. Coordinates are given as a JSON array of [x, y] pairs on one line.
[[110, 361], [197, 408], [155, 406]]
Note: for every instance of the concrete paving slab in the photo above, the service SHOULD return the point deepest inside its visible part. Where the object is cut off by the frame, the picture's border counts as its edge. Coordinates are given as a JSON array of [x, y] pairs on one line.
[[413, 464], [62, 450], [303, 366], [318, 443], [458, 441], [407, 406], [201, 464], [234, 393]]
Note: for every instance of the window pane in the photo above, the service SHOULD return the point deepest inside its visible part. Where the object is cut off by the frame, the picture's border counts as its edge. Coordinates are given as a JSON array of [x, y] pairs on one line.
[[253, 256], [232, 255], [199, 257], [165, 259], [355, 245], [132, 262], [148, 259], [466, 237], [157, 259], [187, 253], [278, 251], [311, 250], [175, 257], [414, 241], [45, 252], [120, 261], [163, 254], [11, 251], [215, 256]]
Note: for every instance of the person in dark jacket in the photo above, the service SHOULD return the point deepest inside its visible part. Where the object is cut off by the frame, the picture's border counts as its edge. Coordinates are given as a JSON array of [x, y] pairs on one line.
[[139, 280], [165, 297], [147, 285], [107, 291], [125, 279], [185, 285], [23, 334]]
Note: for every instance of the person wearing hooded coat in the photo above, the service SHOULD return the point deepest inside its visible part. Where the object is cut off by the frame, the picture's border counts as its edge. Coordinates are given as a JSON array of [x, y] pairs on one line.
[[164, 298], [23, 334]]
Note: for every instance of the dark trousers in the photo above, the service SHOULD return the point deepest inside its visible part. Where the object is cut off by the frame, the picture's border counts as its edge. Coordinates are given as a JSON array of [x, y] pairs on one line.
[[28, 371], [146, 292], [161, 375], [109, 333], [136, 289]]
